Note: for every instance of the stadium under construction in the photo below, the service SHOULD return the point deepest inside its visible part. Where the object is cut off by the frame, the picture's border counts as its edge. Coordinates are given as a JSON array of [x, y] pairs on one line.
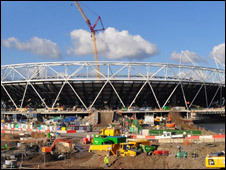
[[130, 86]]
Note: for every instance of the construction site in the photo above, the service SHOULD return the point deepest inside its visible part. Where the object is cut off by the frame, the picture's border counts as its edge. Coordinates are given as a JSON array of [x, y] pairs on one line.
[[111, 115]]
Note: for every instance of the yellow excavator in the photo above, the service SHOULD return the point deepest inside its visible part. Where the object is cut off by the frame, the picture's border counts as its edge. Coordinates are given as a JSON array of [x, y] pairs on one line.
[[93, 31]]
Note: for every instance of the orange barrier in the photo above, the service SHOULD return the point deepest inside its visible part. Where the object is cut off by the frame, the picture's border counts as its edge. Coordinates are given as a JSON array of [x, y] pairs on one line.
[[218, 136]]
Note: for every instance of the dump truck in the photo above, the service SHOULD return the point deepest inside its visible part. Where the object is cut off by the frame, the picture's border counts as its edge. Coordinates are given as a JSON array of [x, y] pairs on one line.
[[215, 160], [134, 148], [144, 146], [107, 145], [148, 149], [109, 149]]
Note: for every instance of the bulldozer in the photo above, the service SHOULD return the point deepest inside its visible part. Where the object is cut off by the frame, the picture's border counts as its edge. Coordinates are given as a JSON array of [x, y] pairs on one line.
[[127, 149]]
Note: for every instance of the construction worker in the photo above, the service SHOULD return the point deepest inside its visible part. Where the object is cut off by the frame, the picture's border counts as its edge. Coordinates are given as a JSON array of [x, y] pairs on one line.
[[106, 160]]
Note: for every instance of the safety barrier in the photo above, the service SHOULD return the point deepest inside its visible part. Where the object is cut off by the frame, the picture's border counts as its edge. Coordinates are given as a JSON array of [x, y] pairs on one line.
[[191, 139], [5, 127]]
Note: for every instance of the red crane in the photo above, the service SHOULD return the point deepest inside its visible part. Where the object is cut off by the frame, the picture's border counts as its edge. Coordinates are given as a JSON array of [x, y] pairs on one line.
[[93, 31]]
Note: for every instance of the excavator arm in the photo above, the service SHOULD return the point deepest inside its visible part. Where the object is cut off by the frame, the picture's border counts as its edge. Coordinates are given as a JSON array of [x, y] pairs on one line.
[[49, 149]]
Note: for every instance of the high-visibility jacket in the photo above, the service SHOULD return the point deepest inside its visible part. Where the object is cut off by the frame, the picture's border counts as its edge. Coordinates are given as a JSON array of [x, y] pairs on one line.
[[106, 160]]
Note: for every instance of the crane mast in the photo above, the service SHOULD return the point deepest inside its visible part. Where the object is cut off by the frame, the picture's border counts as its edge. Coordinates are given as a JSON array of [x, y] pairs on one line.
[[92, 34]]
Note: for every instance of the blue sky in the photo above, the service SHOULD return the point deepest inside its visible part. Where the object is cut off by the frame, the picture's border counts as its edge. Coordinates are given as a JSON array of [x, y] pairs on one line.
[[172, 26]]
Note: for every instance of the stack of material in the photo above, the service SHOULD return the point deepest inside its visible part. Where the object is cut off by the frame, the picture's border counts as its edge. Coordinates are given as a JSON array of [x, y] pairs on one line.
[[181, 124], [92, 119], [37, 135], [62, 147]]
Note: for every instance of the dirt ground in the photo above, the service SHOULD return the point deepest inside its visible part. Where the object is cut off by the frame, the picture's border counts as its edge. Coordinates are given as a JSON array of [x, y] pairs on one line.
[[86, 160]]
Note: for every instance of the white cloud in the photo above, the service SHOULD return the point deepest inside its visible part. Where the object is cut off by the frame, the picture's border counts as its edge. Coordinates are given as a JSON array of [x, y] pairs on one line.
[[219, 52], [112, 44], [35, 45], [192, 55]]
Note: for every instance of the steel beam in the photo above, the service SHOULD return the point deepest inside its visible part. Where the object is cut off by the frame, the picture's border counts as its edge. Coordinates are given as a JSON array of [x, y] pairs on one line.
[[58, 94], [39, 95], [9, 96], [25, 90], [213, 97], [171, 94], [77, 95]]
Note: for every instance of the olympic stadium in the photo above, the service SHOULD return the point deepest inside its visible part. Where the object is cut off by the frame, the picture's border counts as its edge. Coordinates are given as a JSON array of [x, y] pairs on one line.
[[119, 84]]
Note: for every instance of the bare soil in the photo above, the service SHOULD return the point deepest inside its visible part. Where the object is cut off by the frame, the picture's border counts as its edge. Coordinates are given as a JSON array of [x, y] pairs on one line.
[[86, 160]]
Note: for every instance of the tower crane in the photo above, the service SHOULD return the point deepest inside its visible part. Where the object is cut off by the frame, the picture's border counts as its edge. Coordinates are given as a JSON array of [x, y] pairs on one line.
[[93, 31]]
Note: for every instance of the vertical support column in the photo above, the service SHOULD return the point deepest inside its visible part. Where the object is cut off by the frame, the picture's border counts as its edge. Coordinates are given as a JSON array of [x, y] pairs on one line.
[[206, 96], [108, 70], [66, 71], [221, 96], [25, 90], [184, 96], [129, 72]]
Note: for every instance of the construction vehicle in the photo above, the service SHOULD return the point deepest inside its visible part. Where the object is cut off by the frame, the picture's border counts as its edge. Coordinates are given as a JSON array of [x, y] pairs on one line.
[[106, 145], [133, 148], [215, 160], [148, 149], [5, 147], [144, 146], [108, 149], [180, 153], [93, 31], [50, 149], [170, 124], [161, 152], [127, 149], [110, 132], [101, 140]]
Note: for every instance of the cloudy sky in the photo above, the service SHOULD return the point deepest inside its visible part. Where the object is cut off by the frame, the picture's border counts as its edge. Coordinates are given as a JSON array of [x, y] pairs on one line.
[[168, 32]]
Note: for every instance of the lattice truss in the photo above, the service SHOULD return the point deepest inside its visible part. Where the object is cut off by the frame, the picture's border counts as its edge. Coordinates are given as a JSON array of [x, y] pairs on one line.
[[132, 83]]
